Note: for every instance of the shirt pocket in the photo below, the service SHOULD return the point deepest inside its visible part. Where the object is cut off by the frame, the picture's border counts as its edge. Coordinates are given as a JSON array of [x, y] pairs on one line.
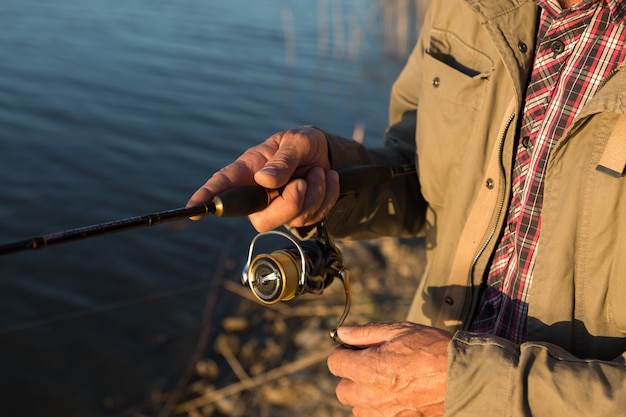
[[455, 79]]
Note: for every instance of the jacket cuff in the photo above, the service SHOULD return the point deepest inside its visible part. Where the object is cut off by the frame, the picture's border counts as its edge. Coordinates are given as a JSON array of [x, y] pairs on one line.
[[480, 372], [345, 153]]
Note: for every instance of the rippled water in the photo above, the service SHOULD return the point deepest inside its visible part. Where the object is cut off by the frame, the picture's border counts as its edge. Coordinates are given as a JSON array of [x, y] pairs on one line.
[[111, 109]]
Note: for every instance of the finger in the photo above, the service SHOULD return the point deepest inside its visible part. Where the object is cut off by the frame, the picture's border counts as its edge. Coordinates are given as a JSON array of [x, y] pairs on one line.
[[213, 186], [361, 366], [293, 153], [273, 175], [362, 396], [372, 334], [322, 194], [235, 174], [283, 209], [330, 197], [313, 198], [346, 392], [240, 172], [365, 412]]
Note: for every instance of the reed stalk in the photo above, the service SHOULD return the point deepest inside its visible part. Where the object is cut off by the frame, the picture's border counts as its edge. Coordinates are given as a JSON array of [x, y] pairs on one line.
[[401, 22]]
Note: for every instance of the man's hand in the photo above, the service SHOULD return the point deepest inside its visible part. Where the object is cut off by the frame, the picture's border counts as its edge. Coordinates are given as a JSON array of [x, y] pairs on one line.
[[400, 370], [296, 159]]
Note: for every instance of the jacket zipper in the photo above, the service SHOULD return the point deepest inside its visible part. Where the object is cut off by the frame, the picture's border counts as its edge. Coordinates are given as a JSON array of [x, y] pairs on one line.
[[492, 233], [608, 77]]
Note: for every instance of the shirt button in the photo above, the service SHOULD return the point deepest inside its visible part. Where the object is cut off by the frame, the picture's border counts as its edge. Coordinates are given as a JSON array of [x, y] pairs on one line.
[[436, 82], [526, 142], [557, 47], [522, 47], [512, 227]]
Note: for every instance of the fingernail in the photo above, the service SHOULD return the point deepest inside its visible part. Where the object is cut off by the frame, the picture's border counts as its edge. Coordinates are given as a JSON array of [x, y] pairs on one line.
[[301, 186], [345, 330], [269, 171]]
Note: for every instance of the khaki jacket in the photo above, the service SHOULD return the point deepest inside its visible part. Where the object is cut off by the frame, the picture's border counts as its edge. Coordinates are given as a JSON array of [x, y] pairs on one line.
[[454, 109]]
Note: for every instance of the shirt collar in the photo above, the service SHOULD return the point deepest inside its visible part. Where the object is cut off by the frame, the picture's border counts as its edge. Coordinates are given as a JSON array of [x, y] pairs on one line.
[[617, 8]]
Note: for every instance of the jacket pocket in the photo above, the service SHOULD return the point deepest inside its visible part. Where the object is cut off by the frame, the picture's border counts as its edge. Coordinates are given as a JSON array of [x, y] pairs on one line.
[[455, 79], [456, 71]]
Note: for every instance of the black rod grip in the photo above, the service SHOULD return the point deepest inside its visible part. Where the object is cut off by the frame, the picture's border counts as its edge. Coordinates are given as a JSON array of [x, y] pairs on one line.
[[241, 201]]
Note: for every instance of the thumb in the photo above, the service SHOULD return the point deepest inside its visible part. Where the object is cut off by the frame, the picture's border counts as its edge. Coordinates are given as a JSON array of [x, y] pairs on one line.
[[279, 169], [370, 335], [272, 176]]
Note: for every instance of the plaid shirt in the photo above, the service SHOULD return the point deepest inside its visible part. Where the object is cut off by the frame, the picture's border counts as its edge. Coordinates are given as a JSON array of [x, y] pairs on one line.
[[575, 50]]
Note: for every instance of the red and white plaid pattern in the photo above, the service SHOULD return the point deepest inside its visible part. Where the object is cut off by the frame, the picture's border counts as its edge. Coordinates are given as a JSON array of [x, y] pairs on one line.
[[576, 49]]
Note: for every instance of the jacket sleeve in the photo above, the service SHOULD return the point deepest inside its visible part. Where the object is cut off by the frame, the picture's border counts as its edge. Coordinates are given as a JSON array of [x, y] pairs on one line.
[[488, 375], [395, 208]]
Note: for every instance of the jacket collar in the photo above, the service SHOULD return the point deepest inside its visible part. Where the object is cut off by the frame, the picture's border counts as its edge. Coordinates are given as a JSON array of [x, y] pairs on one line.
[[610, 96], [509, 23], [491, 9]]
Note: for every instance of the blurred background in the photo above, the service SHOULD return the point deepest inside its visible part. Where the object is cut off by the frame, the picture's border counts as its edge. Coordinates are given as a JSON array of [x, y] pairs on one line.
[[116, 108]]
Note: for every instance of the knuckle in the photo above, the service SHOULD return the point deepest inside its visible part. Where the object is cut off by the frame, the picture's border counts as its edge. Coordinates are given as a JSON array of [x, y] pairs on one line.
[[359, 412], [259, 224], [342, 392], [298, 222]]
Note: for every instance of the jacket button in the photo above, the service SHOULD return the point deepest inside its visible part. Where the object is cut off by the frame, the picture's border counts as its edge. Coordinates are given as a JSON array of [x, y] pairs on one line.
[[522, 47], [448, 300], [490, 183], [436, 82]]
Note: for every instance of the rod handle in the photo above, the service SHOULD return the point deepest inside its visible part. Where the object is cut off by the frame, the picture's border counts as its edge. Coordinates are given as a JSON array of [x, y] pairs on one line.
[[359, 178], [241, 201]]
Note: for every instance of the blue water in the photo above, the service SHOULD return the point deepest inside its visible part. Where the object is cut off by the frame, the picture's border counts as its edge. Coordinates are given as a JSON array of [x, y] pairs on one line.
[[116, 108]]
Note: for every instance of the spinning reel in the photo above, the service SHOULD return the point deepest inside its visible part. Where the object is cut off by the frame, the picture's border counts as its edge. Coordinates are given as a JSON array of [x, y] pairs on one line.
[[308, 266]]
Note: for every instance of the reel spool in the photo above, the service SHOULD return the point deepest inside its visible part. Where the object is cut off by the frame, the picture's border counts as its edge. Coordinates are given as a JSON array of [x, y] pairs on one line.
[[278, 276], [305, 267]]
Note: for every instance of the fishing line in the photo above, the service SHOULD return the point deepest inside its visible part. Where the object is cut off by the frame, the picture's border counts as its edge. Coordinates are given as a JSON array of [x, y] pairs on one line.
[[103, 308], [238, 201], [203, 335], [319, 262]]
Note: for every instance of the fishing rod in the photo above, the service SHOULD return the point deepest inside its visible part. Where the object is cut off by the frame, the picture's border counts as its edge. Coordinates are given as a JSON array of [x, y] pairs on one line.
[[236, 202]]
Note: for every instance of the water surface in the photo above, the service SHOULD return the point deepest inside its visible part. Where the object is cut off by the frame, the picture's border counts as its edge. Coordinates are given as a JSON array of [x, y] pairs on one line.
[[111, 109]]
